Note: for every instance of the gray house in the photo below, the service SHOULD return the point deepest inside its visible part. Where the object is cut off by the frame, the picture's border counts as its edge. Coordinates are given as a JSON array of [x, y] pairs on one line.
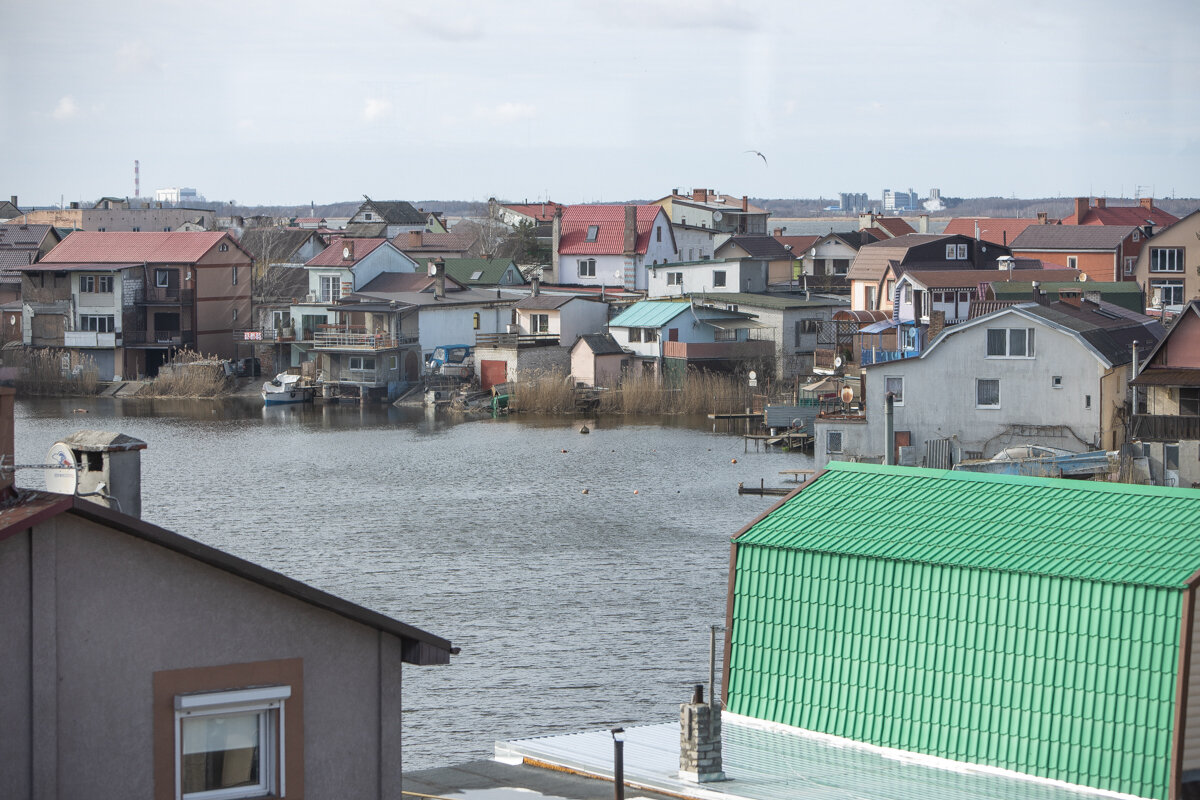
[[141, 663]]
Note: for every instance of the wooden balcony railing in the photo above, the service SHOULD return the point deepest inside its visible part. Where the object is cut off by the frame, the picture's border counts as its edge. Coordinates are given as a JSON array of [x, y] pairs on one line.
[[1165, 428], [515, 339]]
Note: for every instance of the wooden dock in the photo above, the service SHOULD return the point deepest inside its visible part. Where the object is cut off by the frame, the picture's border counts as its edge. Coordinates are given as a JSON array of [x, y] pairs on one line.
[[761, 489]]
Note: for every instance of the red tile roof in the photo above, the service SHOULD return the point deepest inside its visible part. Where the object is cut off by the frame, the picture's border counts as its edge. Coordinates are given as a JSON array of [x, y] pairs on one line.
[[610, 239], [800, 244], [1123, 215], [332, 256], [433, 241], [998, 230], [894, 225], [156, 247], [542, 212]]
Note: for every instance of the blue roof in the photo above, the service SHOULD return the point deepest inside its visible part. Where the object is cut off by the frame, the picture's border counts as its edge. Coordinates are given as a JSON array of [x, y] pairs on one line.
[[649, 314]]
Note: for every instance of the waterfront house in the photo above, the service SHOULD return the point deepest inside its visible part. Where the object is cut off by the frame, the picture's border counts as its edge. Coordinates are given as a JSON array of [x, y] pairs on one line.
[[1103, 252], [594, 245], [541, 335], [1031, 628], [125, 301], [793, 323], [141, 663], [20, 246], [884, 227], [597, 360], [1168, 267], [1051, 374], [1166, 402], [384, 219], [666, 337]]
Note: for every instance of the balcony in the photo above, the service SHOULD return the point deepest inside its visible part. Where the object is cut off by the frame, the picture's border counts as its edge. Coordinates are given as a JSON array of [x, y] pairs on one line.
[[343, 337], [1165, 428], [719, 351], [91, 339], [515, 339], [875, 355], [166, 296], [162, 338]]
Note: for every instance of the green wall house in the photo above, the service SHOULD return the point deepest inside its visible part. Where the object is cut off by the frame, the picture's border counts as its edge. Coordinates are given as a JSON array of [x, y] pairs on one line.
[[1036, 625]]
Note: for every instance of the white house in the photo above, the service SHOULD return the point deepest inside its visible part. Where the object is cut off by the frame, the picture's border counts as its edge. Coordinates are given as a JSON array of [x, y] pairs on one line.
[[562, 318], [1049, 374], [595, 245], [344, 267], [681, 278]]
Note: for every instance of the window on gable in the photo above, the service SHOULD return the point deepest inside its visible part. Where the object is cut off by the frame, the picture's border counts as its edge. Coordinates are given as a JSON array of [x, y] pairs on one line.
[[587, 268], [593, 233], [223, 247], [1166, 259], [658, 233], [1010, 342], [987, 393], [962, 252]]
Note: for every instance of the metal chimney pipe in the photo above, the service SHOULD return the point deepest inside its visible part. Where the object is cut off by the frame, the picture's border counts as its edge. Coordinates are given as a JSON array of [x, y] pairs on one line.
[[889, 455]]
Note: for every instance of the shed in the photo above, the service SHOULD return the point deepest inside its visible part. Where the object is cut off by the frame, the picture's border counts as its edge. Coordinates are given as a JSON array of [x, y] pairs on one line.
[[1040, 626], [597, 359]]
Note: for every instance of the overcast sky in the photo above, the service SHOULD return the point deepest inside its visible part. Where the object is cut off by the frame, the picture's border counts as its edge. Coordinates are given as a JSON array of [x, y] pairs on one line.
[[261, 101]]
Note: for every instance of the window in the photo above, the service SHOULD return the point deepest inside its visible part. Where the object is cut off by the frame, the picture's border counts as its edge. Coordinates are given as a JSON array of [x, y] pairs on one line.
[[1072, 262], [228, 744], [539, 323], [1171, 457], [587, 268], [1189, 402], [1056, 382], [393, 363], [362, 363], [962, 252], [895, 385], [331, 288], [833, 441], [162, 278], [871, 304], [951, 252], [593, 233], [235, 276], [907, 292], [1010, 342], [136, 229], [806, 327], [1130, 261], [649, 334], [1137, 235], [1169, 293], [635, 334], [674, 279], [987, 393], [367, 215], [718, 278], [1166, 259], [658, 233], [223, 247], [1087, 401], [841, 266], [100, 284], [101, 323], [722, 335]]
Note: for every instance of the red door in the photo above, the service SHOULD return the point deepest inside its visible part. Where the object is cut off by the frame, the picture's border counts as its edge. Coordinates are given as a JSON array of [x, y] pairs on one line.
[[491, 373]]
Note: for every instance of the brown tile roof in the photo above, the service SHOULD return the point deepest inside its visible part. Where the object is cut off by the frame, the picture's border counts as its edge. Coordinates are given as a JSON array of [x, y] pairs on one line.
[[1071, 237], [1167, 376], [800, 244], [332, 256], [433, 241], [611, 235], [895, 225], [872, 260], [122, 247], [999, 230]]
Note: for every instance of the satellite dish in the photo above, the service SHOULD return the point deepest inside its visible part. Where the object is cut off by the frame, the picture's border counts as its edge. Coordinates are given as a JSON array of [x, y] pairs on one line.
[[753, 375], [718, 216], [837, 362], [61, 478], [847, 394]]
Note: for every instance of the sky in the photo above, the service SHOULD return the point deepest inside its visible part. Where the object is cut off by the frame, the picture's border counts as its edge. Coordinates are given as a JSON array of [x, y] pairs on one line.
[[267, 102]]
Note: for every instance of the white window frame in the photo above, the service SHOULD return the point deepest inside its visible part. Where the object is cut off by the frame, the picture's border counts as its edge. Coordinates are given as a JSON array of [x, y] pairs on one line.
[[101, 323], [362, 364], [1030, 351], [539, 323], [162, 278], [951, 252], [265, 701], [718, 278], [897, 397], [979, 381], [1175, 286], [335, 289], [95, 284], [674, 279], [1072, 262], [1166, 259], [1130, 263], [587, 267], [962, 252]]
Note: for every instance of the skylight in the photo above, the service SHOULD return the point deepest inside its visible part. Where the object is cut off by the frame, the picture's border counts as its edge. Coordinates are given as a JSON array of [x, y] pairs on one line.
[[476, 275], [593, 233]]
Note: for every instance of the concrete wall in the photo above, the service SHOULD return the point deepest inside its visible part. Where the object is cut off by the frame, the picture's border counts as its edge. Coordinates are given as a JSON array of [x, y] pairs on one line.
[[700, 277], [692, 244], [92, 615], [579, 317]]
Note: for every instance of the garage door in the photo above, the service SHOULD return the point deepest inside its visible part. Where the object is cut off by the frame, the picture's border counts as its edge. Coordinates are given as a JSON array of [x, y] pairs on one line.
[[491, 373]]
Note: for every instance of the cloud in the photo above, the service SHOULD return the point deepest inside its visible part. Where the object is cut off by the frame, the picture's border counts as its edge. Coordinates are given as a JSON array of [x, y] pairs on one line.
[[374, 109], [506, 112], [135, 56], [66, 108]]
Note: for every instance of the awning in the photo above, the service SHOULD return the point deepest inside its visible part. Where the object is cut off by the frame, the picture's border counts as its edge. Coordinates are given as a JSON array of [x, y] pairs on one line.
[[879, 327], [1167, 377], [823, 385]]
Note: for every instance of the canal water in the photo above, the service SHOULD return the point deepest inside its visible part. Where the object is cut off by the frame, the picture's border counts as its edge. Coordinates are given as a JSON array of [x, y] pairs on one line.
[[574, 611]]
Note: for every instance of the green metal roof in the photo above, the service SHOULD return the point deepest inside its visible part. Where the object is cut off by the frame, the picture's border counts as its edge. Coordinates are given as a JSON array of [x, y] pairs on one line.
[[649, 314], [1127, 294], [1031, 624], [1048, 526], [772, 301], [462, 269]]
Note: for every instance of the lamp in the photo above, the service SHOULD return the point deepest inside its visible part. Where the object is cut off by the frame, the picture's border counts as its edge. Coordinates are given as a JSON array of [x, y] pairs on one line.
[[618, 736]]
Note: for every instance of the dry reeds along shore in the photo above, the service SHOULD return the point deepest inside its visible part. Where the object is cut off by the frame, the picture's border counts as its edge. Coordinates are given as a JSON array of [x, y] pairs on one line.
[[698, 393], [41, 372], [190, 374]]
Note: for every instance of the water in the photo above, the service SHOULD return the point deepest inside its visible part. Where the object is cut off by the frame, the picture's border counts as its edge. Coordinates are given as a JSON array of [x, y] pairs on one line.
[[573, 611]]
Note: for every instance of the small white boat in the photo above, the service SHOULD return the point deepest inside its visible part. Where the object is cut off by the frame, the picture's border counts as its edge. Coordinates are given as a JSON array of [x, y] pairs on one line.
[[286, 389]]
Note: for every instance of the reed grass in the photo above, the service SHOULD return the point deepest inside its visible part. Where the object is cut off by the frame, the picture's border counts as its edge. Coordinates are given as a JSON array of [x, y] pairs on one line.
[[40, 372], [190, 374]]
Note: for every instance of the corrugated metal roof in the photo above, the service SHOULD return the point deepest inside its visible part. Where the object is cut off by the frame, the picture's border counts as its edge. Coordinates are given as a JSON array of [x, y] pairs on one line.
[[156, 247], [1046, 526], [772, 763], [649, 314]]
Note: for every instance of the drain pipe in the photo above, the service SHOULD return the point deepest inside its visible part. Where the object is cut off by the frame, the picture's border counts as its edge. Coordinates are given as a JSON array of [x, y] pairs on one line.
[[889, 443]]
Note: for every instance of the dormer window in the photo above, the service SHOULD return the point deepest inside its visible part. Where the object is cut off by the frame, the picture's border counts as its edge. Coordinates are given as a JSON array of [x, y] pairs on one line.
[[367, 215], [593, 233], [223, 247]]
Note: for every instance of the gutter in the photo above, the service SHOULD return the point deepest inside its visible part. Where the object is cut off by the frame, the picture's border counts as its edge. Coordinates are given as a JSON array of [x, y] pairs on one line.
[[1183, 672]]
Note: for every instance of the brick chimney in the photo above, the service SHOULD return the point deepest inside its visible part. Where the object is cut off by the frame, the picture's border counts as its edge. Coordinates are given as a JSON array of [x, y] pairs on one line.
[[1101, 202], [1145, 202], [699, 195], [745, 203], [555, 238], [415, 238], [937, 321], [700, 740], [1081, 208], [1070, 297], [535, 282], [1043, 217], [629, 242], [777, 233]]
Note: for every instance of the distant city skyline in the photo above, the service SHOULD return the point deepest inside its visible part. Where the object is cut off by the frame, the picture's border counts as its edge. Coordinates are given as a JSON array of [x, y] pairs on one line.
[[268, 103]]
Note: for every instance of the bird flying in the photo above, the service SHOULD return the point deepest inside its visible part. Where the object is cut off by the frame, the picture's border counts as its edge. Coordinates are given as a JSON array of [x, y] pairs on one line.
[[760, 155]]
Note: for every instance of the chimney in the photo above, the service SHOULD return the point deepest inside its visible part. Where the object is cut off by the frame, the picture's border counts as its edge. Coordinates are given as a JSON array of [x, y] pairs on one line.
[[7, 440], [439, 278], [923, 223], [1038, 294], [700, 740], [536, 285], [1145, 202], [777, 232], [1043, 217], [74, 204], [1070, 297], [699, 195], [1101, 202], [414, 238], [108, 468], [1081, 208], [1133, 363], [937, 322], [745, 203], [13, 200], [629, 242], [555, 237]]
